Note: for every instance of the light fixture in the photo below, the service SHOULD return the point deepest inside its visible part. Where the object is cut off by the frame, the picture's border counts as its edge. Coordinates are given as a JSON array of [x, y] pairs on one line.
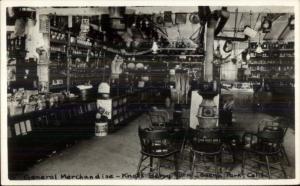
[[266, 25], [259, 50], [248, 56], [154, 47], [292, 22]]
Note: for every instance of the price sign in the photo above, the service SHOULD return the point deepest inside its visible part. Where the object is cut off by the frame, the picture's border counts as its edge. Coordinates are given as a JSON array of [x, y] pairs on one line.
[[106, 105]]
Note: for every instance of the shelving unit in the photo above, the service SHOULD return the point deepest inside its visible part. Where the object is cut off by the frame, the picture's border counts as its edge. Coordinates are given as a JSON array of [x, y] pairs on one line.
[[84, 58], [24, 70], [123, 109], [277, 59]]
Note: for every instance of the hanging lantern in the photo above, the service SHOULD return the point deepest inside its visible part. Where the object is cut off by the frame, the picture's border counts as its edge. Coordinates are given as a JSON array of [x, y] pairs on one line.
[[259, 50], [248, 57], [154, 47]]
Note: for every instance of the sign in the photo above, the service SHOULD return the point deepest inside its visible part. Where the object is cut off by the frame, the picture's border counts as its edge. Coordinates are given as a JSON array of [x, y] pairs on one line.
[[106, 104]]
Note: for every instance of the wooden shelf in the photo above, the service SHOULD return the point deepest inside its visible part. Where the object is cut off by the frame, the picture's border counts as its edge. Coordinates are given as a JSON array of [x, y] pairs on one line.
[[173, 55], [58, 41], [80, 46], [178, 49]]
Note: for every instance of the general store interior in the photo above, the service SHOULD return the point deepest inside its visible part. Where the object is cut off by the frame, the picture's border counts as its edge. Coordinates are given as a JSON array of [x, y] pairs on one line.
[[101, 92]]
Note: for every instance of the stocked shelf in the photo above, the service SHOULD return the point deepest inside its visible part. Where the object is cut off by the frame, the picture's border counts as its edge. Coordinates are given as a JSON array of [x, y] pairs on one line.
[[55, 41]]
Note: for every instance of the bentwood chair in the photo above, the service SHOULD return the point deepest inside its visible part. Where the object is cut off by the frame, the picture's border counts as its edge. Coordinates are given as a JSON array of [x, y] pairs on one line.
[[276, 125], [159, 118], [206, 144], [156, 144], [264, 150]]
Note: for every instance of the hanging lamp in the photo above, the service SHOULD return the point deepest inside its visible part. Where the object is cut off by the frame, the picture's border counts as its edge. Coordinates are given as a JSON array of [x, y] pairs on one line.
[[259, 50], [154, 47]]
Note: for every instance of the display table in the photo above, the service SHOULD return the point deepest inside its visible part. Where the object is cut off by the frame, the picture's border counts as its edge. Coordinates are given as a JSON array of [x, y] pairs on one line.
[[36, 135]]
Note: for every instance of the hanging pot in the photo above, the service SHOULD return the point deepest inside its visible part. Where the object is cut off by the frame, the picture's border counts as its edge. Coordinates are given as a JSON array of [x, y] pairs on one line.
[[194, 18]]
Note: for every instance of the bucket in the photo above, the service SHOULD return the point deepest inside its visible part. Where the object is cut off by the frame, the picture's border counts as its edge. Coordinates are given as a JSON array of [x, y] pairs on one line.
[[101, 129]]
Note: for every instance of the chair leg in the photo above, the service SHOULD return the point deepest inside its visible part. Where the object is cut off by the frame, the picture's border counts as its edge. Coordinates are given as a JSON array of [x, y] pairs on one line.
[[285, 155], [191, 159], [176, 165], [243, 164], [221, 163], [182, 145], [158, 167], [139, 165], [268, 167], [216, 166], [151, 164], [282, 168], [193, 165], [259, 168]]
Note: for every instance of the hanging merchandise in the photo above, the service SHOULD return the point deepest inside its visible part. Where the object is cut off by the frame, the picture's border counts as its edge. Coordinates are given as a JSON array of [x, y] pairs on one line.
[[159, 20], [194, 18], [292, 22], [250, 32], [34, 40], [19, 27], [168, 18], [116, 64], [266, 25], [180, 18], [182, 85], [84, 28], [228, 46]]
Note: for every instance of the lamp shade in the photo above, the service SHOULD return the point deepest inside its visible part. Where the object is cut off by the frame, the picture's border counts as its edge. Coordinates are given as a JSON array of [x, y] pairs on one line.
[[259, 50], [154, 47]]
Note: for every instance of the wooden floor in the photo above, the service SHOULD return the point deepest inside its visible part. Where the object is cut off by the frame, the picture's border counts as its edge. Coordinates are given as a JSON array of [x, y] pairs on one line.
[[118, 153]]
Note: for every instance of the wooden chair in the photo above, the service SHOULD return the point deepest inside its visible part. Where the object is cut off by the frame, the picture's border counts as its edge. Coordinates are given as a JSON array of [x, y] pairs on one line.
[[264, 149], [158, 118], [156, 144], [205, 143], [276, 125]]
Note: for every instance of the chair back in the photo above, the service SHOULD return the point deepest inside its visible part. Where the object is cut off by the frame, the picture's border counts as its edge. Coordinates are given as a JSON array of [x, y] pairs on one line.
[[269, 140], [158, 117], [204, 135], [276, 124], [154, 141]]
